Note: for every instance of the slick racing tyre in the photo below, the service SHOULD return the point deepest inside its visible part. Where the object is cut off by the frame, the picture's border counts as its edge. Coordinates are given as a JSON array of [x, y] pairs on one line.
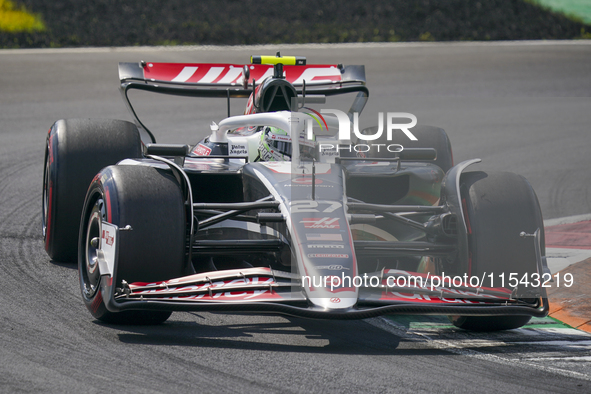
[[150, 202], [427, 137], [76, 150], [497, 208]]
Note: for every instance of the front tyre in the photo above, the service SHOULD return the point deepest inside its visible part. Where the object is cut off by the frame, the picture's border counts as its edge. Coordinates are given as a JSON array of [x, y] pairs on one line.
[[150, 202], [498, 206]]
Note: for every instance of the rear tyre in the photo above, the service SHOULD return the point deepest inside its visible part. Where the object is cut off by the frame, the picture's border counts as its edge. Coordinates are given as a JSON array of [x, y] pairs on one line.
[[497, 208], [427, 137], [76, 150], [151, 202]]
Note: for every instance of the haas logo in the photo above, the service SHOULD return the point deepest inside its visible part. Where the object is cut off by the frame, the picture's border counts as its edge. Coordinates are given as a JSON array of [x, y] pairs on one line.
[[321, 223], [108, 238]]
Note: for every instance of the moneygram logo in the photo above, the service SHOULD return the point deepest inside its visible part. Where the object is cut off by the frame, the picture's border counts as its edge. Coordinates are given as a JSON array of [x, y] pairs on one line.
[[392, 120]]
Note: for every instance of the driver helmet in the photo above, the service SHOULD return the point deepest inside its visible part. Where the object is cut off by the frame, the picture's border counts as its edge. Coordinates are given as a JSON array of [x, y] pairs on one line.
[[275, 145]]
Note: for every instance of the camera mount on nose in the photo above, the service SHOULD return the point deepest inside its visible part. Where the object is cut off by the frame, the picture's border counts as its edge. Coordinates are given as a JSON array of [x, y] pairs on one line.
[[278, 62]]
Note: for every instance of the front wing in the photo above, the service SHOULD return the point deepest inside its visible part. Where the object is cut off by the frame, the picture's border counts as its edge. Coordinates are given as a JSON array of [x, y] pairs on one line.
[[264, 290]]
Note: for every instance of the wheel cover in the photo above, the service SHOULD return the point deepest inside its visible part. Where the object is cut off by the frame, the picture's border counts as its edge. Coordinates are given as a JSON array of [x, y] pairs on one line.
[[91, 275]]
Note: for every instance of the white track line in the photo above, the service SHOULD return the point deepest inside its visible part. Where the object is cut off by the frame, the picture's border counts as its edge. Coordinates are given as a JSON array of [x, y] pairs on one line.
[[449, 346], [560, 258], [274, 47]]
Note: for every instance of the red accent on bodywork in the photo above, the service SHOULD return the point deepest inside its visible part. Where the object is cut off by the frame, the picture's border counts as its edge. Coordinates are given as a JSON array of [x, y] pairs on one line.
[[202, 150], [186, 291], [108, 205], [447, 279], [228, 73], [96, 302], [319, 115], [327, 78], [422, 298], [258, 295], [50, 147]]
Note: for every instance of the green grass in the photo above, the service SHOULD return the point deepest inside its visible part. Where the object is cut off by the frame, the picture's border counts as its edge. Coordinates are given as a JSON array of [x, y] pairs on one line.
[[442, 322], [14, 19], [579, 9]]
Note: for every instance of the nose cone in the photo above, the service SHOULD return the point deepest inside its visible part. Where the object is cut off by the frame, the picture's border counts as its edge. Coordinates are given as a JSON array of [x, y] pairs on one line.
[[340, 300]]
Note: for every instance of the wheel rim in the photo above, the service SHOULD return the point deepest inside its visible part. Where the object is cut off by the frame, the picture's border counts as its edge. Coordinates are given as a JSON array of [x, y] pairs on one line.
[[45, 205], [91, 274]]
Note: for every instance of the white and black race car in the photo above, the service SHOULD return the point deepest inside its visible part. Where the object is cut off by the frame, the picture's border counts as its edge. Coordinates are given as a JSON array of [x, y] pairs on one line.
[[287, 209]]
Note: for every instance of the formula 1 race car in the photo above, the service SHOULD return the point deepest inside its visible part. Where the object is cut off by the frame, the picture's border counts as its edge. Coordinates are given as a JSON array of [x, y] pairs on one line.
[[287, 209]]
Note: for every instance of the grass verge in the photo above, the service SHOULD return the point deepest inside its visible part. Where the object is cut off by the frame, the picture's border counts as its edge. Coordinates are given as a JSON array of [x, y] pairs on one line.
[[14, 19]]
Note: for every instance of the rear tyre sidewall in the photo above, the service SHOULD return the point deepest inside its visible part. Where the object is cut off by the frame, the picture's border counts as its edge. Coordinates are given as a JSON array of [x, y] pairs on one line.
[[427, 137], [76, 150]]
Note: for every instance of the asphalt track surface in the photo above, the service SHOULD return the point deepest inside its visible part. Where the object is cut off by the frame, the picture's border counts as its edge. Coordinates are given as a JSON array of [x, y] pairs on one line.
[[520, 107]]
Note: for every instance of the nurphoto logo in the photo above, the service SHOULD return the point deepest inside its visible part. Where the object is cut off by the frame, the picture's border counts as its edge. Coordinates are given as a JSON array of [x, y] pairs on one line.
[[344, 134]]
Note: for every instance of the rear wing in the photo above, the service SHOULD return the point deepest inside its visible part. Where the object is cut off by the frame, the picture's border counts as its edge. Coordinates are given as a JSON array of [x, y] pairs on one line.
[[215, 76], [238, 81]]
